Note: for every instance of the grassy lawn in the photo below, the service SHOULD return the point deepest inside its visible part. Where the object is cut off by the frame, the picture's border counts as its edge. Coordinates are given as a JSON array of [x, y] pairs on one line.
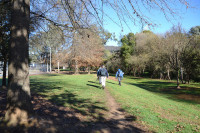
[[82, 93], [157, 104]]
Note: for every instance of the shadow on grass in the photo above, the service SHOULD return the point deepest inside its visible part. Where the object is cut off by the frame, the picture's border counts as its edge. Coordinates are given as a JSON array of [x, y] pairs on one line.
[[93, 82], [72, 72], [94, 86], [63, 111], [112, 82], [183, 95]]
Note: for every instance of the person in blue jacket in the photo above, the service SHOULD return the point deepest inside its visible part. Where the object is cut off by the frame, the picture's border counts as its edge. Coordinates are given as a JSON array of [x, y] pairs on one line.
[[103, 73], [119, 75]]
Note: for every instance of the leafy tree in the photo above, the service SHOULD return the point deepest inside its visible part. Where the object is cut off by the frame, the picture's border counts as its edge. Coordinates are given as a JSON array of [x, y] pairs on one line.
[[127, 49], [44, 44], [131, 40], [88, 49], [176, 41], [195, 30], [144, 52], [190, 60]]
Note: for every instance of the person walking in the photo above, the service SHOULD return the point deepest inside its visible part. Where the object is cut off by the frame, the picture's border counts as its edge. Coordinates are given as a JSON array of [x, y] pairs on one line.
[[98, 75], [119, 75], [103, 73]]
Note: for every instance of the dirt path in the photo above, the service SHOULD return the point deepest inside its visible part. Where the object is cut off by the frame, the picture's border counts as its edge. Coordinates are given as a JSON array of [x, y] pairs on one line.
[[116, 120], [51, 118]]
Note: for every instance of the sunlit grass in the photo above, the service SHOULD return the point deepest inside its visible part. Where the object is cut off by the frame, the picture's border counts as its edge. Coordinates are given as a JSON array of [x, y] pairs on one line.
[[79, 92], [155, 103]]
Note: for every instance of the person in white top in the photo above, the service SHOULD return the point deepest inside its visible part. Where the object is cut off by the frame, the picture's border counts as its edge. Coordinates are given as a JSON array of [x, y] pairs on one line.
[[103, 73]]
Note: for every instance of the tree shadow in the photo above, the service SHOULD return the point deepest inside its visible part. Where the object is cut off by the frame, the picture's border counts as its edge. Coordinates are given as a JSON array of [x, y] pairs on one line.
[[62, 119], [112, 82], [65, 112], [50, 75], [169, 88], [93, 82], [94, 86]]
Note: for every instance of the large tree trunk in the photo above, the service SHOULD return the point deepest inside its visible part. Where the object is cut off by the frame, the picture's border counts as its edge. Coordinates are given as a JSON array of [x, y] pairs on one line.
[[19, 104], [4, 74]]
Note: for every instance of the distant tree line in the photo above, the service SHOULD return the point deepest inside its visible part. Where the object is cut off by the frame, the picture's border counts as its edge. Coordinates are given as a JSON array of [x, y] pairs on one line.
[[176, 54]]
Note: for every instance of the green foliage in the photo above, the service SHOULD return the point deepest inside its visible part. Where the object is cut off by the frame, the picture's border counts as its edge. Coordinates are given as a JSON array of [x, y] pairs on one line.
[[125, 54], [190, 59], [128, 40], [195, 30], [147, 31], [127, 49], [41, 42], [131, 40], [124, 40], [161, 56]]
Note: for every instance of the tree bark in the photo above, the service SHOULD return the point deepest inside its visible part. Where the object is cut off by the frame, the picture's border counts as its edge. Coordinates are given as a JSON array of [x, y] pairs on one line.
[[177, 70], [4, 73], [58, 66], [88, 70], [178, 79], [161, 75], [76, 67], [188, 78], [182, 75], [168, 75], [47, 67], [19, 105]]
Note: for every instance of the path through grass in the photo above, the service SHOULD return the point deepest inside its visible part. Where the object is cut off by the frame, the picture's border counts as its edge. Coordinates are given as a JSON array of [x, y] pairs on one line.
[[157, 104], [79, 92]]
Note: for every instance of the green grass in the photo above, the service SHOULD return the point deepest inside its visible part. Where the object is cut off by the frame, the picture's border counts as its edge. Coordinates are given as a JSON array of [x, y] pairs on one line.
[[79, 92], [155, 104]]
